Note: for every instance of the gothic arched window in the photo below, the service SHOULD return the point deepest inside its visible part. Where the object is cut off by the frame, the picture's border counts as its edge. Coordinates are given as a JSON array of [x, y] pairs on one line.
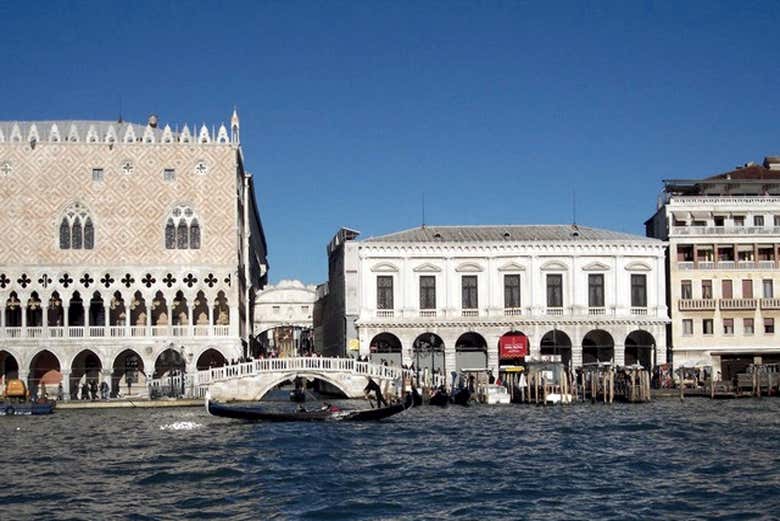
[[77, 230], [64, 234], [182, 229], [77, 233], [89, 234], [194, 235], [170, 235]]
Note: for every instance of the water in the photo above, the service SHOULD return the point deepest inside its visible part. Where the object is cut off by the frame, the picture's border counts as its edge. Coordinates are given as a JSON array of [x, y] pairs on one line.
[[699, 459]]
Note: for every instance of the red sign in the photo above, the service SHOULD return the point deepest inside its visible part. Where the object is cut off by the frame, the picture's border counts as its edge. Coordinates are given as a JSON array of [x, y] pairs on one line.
[[513, 345]]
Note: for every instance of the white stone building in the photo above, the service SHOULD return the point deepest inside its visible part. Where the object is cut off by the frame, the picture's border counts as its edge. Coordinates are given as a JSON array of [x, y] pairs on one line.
[[724, 247], [445, 296], [128, 251], [283, 317]]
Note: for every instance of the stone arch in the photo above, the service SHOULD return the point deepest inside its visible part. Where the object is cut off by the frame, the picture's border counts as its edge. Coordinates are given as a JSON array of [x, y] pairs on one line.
[[557, 343], [428, 353], [200, 309], [292, 375], [9, 366], [386, 346], [160, 313], [56, 313], [169, 360], [471, 351], [13, 311], [180, 310], [34, 311], [138, 310], [84, 370], [514, 344], [211, 357], [127, 370], [97, 310], [45, 371], [639, 348], [221, 310], [597, 346], [117, 311], [76, 310]]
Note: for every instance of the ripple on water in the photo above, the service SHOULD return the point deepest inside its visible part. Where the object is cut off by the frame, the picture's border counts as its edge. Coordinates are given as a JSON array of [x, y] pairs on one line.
[[692, 460]]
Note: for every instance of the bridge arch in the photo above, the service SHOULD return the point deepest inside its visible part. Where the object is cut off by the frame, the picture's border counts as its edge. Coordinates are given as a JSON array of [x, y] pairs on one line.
[[292, 375]]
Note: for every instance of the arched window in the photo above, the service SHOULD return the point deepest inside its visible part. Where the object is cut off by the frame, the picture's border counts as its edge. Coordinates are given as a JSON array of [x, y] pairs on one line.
[[89, 234], [182, 240], [76, 235], [182, 229], [194, 235], [77, 230], [64, 234], [170, 235]]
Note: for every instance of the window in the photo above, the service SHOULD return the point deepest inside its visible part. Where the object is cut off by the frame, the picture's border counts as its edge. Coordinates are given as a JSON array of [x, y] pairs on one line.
[[511, 291], [747, 326], [706, 326], [97, 175], [777, 220], [182, 229], [706, 289], [427, 292], [384, 292], [469, 288], [687, 324], [747, 288], [76, 230], [728, 326], [554, 291], [758, 220], [727, 289], [718, 220], [739, 220], [769, 326], [769, 290], [169, 175], [638, 291], [686, 290], [596, 290]]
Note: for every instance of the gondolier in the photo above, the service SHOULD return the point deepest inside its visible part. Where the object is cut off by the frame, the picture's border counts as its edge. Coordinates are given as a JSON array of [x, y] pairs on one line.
[[373, 386]]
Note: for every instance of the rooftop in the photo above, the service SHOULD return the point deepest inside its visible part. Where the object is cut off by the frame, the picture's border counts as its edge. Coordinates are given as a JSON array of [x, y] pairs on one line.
[[508, 232]]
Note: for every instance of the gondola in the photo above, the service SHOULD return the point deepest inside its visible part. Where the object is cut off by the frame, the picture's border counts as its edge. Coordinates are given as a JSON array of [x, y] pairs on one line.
[[461, 397], [440, 398], [328, 414], [26, 408]]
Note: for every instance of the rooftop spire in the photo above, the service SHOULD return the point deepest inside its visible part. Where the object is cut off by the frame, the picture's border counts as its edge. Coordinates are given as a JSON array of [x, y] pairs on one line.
[[235, 133]]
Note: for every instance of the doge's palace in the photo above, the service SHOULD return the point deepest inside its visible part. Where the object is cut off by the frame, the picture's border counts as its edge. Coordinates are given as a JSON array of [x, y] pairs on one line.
[[129, 252]]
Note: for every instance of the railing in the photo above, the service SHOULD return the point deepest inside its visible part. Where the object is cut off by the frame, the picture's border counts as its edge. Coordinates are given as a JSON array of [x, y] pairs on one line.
[[770, 303], [698, 304], [111, 331], [639, 311], [554, 311], [722, 230], [597, 311], [513, 312], [469, 313], [737, 303], [726, 265], [385, 313], [427, 313]]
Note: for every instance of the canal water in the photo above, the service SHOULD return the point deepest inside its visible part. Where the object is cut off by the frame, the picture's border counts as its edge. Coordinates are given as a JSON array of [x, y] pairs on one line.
[[699, 459]]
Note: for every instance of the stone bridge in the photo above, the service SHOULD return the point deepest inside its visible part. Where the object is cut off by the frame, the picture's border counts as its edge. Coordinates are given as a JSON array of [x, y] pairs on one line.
[[252, 380]]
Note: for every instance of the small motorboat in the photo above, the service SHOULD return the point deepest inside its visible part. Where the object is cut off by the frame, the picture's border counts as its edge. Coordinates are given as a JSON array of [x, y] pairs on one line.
[[461, 396], [439, 398], [493, 394], [556, 398], [16, 401], [327, 413]]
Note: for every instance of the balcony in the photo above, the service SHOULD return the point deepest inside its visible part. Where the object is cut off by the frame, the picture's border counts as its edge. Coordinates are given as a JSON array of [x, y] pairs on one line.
[[770, 303], [469, 313], [111, 331], [726, 265], [427, 313], [697, 304], [513, 312], [554, 311], [682, 231], [639, 311], [385, 313], [737, 303], [597, 311]]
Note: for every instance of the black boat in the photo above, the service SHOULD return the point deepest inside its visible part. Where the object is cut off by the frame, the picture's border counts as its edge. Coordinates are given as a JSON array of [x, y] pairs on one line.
[[326, 414], [26, 408], [439, 397], [461, 396]]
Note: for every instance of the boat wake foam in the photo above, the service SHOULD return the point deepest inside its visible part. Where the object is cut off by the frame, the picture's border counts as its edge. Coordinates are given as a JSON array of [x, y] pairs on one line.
[[180, 426]]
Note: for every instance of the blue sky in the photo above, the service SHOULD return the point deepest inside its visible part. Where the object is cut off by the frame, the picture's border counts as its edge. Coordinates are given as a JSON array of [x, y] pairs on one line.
[[497, 111]]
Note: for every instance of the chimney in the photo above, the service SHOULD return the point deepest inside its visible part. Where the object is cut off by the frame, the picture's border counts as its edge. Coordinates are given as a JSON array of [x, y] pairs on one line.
[[152, 122], [772, 162]]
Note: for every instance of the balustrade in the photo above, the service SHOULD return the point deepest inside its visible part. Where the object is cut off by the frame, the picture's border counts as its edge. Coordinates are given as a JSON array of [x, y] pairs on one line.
[[556, 311], [770, 303], [737, 303], [385, 313], [513, 312], [469, 313], [698, 304], [597, 311], [427, 313], [112, 331], [639, 311]]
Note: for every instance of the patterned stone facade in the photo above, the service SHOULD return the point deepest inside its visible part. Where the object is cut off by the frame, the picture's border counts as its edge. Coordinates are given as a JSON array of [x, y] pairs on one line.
[[139, 289]]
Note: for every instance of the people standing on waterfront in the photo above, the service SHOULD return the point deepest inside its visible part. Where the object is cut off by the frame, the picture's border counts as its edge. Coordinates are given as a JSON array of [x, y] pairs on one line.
[[103, 390], [93, 390], [491, 378], [60, 392], [85, 391]]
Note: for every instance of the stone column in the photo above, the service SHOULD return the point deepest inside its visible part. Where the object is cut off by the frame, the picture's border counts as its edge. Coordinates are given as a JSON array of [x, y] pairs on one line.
[[2, 320], [149, 304], [620, 354], [25, 311], [66, 384], [190, 317], [450, 362], [211, 317]]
